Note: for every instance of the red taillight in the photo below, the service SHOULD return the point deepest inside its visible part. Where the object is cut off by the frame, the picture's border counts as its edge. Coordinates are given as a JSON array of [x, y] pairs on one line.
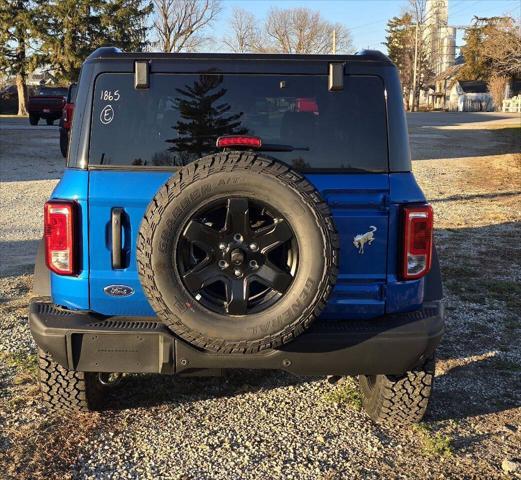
[[59, 237], [417, 241], [239, 141]]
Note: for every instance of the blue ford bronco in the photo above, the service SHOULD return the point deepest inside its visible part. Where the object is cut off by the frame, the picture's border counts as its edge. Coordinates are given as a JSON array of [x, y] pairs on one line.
[[223, 211]]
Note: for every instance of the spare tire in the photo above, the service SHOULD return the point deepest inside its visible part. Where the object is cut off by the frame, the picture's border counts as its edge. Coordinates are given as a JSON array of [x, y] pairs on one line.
[[237, 253]]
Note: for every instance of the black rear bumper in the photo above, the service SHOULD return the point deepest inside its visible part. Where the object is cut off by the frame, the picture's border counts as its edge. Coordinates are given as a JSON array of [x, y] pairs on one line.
[[85, 342]]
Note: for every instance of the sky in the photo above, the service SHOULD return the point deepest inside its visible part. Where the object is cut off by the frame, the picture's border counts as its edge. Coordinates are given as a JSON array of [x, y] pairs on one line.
[[367, 19]]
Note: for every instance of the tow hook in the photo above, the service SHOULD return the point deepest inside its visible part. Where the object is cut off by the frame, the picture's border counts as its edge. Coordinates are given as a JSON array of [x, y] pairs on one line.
[[109, 379]]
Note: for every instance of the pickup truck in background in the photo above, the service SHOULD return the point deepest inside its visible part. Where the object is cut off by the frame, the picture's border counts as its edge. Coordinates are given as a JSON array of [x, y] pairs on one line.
[[66, 119], [48, 103]]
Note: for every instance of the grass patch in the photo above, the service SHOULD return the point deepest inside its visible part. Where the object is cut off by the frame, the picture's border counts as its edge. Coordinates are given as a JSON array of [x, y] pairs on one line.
[[345, 393], [479, 290], [458, 272], [26, 366], [434, 444]]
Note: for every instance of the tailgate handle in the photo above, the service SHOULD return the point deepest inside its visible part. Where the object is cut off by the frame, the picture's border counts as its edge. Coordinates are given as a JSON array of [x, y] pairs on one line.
[[117, 247]]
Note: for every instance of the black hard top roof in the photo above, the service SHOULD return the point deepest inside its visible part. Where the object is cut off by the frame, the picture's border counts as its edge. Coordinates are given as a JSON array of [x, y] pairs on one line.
[[113, 53]]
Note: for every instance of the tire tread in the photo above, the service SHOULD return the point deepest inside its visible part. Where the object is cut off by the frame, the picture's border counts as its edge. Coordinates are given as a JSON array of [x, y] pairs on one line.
[[399, 400], [67, 390]]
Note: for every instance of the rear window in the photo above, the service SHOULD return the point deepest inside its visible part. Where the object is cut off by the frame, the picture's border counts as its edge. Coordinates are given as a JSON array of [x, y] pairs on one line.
[[179, 118]]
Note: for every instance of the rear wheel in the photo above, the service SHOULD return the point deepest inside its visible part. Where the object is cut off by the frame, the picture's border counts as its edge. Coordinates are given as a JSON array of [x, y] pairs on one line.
[[33, 119], [398, 399], [66, 390]]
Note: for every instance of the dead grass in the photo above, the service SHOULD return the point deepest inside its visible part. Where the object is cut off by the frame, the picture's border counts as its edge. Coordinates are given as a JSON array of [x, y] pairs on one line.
[[42, 445], [47, 448]]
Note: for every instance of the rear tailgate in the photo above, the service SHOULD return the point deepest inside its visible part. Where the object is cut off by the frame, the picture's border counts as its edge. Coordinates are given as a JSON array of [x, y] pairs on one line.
[[343, 140], [46, 104]]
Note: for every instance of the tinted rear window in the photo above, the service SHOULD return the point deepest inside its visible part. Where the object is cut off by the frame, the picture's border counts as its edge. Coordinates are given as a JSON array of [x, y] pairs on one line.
[[178, 119]]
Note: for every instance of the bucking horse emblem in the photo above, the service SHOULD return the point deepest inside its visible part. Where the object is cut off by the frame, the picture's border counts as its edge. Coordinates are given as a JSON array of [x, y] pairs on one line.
[[360, 240]]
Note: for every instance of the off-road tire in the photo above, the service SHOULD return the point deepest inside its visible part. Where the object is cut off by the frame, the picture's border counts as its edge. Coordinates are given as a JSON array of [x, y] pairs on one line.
[[218, 175], [33, 119], [398, 399], [66, 390]]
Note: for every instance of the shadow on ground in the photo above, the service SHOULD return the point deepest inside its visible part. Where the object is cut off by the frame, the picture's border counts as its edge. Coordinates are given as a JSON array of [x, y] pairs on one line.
[[439, 135], [480, 373], [433, 143], [17, 257]]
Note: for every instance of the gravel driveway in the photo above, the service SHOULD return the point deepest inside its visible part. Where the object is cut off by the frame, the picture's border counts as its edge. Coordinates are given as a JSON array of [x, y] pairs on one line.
[[256, 424]]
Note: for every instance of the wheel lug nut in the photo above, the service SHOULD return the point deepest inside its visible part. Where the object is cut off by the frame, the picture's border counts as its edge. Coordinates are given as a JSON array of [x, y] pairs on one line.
[[254, 264], [222, 264], [238, 273], [254, 247], [237, 237]]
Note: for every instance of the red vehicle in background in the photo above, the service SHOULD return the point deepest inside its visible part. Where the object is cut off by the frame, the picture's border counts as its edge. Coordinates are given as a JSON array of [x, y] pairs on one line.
[[66, 119], [47, 103]]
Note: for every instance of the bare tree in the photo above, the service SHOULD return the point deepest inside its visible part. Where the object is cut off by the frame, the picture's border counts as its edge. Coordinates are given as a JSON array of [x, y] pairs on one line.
[[180, 24], [497, 86], [418, 11], [502, 46], [301, 30], [245, 34]]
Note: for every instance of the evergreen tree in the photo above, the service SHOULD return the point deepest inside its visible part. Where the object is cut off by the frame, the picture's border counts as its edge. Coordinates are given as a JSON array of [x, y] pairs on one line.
[[203, 119], [491, 48], [400, 43], [400, 48], [476, 66], [70, 30], [123, 23], [16, 19]]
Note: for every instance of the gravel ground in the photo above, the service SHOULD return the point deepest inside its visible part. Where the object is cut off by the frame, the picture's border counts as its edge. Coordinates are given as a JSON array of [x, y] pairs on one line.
[[252, 424]]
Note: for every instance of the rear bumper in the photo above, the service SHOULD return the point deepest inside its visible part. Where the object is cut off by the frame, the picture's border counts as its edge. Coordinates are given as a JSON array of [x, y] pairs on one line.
[[52, 114], [86, 342]]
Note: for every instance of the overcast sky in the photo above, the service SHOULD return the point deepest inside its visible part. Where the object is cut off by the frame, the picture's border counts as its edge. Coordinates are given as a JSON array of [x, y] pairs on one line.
[[367, 19]]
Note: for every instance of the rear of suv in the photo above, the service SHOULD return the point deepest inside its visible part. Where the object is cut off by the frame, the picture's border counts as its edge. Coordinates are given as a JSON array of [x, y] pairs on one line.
[[238, 211]]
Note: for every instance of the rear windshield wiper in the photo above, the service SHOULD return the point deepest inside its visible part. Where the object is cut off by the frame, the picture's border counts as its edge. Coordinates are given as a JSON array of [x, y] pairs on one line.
[[276, 147]]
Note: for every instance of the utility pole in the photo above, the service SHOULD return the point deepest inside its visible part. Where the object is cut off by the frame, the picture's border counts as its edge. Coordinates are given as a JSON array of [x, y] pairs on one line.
[[334, 41], [415, 70]]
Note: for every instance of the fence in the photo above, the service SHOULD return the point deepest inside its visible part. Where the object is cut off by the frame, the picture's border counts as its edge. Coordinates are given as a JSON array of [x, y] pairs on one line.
[[512, 104]]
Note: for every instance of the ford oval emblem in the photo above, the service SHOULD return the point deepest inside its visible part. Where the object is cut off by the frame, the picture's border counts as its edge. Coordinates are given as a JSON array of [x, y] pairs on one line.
[[118, 290]]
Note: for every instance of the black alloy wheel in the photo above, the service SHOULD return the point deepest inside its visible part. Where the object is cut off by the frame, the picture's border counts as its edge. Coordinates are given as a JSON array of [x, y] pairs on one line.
[[237, 253], [237, 256]]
